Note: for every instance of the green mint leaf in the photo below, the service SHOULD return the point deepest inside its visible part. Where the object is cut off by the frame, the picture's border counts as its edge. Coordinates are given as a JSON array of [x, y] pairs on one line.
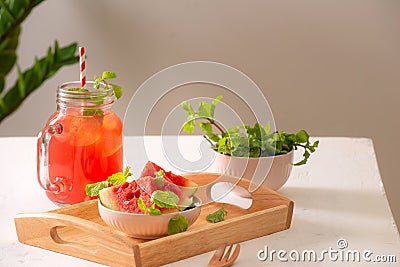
[[267, 127], [159, 179], [223, 146], [188, 108], [154, 211], [214, 104], [189, 125], [108, 75], [306, 155], [117, 91], [93, 112], [164, 199], [177, 225], [97, 81], [141, 204], [78, 90], [116, 178], [127, 172], [94, 189], [217, 216], [204, 110], [302, 136], [206, 127]]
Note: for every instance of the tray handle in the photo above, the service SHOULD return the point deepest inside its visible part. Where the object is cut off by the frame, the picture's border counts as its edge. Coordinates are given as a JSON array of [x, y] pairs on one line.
[[43, 229]]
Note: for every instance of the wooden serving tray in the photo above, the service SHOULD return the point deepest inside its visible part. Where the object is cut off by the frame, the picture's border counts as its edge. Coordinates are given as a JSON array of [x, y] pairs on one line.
[[79, 231]]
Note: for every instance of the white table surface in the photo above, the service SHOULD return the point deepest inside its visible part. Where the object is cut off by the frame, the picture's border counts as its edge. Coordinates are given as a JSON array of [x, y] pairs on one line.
[[338, 194]]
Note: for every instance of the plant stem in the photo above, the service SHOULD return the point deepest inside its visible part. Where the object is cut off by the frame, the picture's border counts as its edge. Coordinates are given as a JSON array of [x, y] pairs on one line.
[[208, 139], [219, 127], [298, 144], [285, 146]]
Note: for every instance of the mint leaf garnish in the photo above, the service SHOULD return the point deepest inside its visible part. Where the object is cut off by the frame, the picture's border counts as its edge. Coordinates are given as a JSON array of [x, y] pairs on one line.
[[119, 177], [108, 75], [148, 210], [127, 172], [217, 216], [159, 178], [83, 90], [164, 199], [94, 189], [153, 211], [117, 90], [115, 179], [177, 224], [141, 204], [93, 112]]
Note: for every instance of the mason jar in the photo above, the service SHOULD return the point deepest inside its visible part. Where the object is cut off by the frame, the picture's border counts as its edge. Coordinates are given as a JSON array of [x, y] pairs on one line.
[[80, 144]]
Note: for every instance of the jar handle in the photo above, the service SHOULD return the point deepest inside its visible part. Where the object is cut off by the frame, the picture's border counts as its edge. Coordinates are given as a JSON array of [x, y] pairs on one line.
[[43, 159]]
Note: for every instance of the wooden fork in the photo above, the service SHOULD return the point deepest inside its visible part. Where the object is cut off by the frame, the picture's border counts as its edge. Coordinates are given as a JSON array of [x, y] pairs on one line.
[[219, 260]]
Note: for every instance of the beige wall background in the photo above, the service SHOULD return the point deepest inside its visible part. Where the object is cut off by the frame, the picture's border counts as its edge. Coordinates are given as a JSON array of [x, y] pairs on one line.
[[331, 67]]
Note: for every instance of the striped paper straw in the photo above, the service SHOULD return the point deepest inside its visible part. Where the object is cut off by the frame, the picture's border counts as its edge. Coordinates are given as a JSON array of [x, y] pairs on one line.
[[82, 63]]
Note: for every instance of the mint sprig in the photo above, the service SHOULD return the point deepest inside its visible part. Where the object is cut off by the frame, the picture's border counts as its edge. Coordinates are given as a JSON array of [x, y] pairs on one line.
[[159, 179], [165, 199], [115, 179], [217, 216], [108, 75], [177, 225], [244, 140], [152, 210]]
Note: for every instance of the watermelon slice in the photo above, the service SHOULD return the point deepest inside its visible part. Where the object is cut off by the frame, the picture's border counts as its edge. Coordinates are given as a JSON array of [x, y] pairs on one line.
[[149, 185], [124, 197], [187, 186]]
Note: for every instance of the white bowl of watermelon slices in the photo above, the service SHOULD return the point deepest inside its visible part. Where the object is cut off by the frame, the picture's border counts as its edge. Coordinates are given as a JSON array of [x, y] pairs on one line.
[[145, 226], [127, 207]]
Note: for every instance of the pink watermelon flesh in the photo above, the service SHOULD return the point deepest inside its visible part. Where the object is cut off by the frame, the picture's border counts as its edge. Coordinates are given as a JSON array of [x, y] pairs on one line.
[[149, 185], [187, 186], [124, 197]]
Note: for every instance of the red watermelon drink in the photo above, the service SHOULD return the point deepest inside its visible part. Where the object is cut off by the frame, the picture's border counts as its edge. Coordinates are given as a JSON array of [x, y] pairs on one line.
[[80, 144]]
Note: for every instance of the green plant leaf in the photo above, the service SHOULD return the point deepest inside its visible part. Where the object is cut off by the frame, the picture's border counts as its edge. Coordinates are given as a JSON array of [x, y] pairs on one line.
[[214, 104], [119, 177], [116, 178], [204, 110], [188, 108], [127, 172], [8, 56], [206, 127], [154, 211], [141, 204], [94, 189], [108, 75], [189, 126], [164, 199], [159, 179], [177, 225], [117, 91], [302, 136], [21, 83], [217, 216], [12, 99]]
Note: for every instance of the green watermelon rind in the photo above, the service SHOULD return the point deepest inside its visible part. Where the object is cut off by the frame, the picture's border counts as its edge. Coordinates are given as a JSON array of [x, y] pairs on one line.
[[108, 199]]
